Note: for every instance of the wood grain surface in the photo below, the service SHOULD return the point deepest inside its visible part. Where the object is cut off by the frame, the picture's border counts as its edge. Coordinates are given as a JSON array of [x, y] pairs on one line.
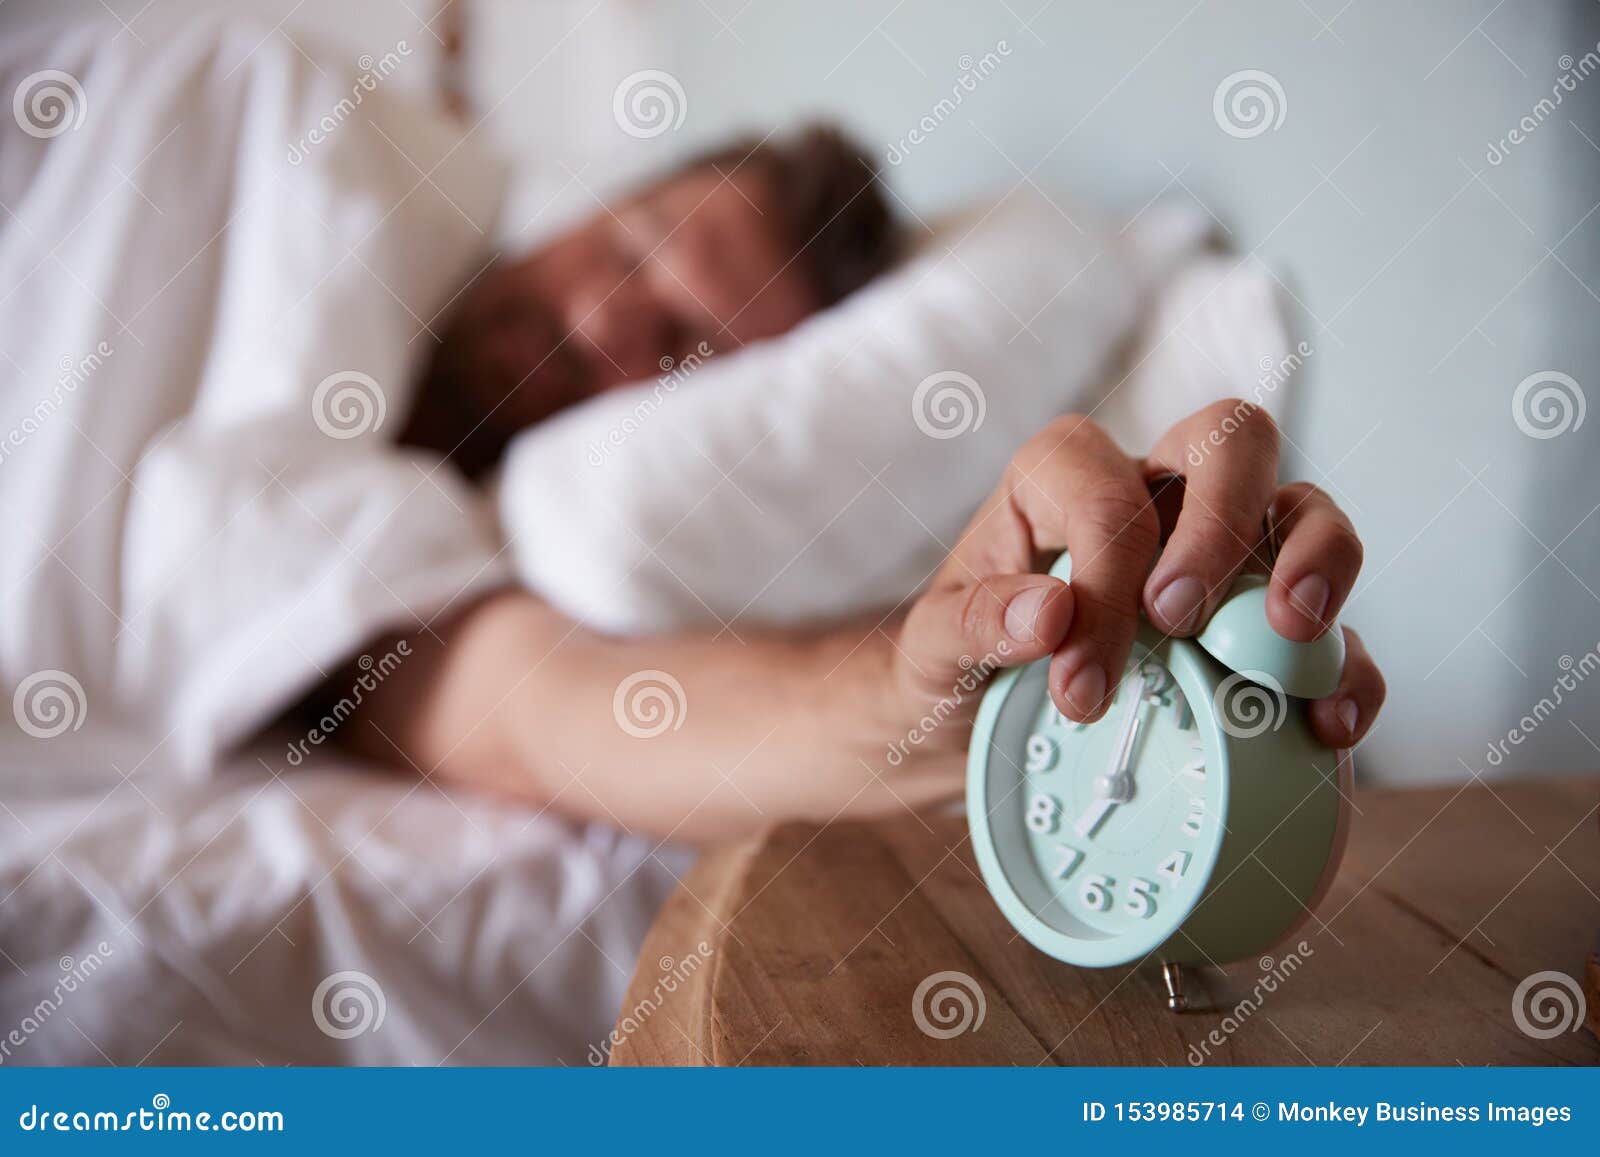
[[815, 940]]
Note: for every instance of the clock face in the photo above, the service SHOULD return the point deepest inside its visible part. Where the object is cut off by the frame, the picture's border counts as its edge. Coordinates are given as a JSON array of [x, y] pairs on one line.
[[1120, 814], [1106, 834]]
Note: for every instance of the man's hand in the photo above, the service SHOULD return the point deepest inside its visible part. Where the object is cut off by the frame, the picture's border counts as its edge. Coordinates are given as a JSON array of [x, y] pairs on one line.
[[1072, 488]]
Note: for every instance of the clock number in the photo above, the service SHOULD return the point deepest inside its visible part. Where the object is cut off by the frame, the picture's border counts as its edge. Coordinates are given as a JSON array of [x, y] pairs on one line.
[[1071, 857], [1061, 720], [1197, 813], [1096, 893], [1174, 866], [1141, 901], [1041, 753], [1043, 811]]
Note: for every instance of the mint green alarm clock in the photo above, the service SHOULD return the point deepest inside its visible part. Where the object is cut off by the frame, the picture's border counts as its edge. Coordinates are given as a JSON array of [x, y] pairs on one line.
[[1198, 821]]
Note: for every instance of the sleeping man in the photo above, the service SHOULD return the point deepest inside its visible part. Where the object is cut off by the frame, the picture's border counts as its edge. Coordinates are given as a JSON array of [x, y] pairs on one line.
[[732, 248], [204, 534]]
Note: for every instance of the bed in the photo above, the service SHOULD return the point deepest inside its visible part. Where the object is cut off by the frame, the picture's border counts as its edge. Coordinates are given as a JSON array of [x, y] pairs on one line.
[[211, 515]]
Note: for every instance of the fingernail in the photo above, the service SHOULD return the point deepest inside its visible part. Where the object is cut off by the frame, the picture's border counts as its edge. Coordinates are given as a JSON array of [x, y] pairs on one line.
[[1179, 604], [1310, 596], [1087, 688], [1348, 715], [1022, 611]]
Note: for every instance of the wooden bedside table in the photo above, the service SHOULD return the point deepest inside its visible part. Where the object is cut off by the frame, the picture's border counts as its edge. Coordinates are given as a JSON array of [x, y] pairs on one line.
[[819, 937]]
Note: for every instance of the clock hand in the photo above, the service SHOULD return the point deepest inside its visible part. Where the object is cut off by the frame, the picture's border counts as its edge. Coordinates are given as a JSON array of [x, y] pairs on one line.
[[1093, 815], [1117, 784], [1124, 770], [1116, 788]]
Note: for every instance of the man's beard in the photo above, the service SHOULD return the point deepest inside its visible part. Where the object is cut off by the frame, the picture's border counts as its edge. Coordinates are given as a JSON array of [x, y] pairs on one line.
[[490, 377]]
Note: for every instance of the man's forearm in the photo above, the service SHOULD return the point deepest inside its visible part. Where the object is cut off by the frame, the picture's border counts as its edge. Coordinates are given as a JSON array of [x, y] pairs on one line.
[[684, 735]]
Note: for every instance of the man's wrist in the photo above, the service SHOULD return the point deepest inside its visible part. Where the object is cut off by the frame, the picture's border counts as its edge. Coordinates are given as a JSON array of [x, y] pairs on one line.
[[864, 703]]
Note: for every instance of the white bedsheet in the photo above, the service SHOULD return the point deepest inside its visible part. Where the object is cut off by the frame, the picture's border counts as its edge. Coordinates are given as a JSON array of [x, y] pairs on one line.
[[197, 921]]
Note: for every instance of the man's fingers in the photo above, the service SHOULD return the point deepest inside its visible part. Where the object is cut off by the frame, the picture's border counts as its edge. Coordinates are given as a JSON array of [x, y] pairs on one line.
[[1228, 453], [994, 621], [1070, 487], [1074, 488], [1318, 561], [1345, 717]]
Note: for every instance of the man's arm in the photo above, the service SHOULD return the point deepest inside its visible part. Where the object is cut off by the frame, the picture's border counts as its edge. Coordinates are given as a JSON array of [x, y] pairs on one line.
[[707, 737], [779, 725]]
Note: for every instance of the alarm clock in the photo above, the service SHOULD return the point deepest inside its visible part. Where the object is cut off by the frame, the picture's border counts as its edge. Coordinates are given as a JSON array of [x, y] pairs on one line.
[[1199, 821]]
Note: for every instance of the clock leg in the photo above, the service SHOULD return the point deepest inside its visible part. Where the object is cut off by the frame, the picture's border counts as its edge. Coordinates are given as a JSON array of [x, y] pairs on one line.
[[1172, 976]]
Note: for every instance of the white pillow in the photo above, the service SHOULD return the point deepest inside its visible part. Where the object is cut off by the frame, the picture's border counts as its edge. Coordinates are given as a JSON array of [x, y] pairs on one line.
[[830, 469], [1217, 328]]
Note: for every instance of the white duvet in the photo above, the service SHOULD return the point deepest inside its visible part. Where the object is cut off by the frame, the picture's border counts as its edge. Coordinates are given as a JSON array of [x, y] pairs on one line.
[[194, 530]]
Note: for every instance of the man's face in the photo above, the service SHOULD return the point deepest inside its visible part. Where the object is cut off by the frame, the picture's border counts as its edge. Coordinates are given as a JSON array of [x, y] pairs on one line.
[[695, 258]]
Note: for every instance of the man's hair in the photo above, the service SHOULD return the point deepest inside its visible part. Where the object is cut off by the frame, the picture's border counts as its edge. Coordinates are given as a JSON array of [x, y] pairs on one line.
[[833, 213]]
